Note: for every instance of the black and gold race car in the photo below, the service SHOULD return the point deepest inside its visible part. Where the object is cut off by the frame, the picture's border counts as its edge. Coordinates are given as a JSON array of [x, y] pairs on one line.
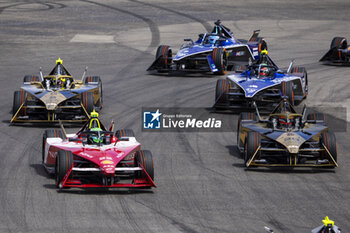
[[57, 96], [285, 138]]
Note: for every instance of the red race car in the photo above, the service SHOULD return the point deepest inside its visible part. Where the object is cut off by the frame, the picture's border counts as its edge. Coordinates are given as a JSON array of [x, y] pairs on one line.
[[97, 157]]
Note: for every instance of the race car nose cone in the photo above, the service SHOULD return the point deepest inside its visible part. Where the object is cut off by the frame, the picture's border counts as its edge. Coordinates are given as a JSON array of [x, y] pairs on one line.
[[108, 166], [52, 99], [51, 106]]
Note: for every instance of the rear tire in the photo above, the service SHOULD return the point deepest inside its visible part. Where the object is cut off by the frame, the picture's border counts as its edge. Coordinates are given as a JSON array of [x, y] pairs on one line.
[[31, 78], [96, 79], [145, 158], [19, 98], [64, 163], [301, 70], [87, 99], [124, 133], [339, 43], [287, 91], [316, 117], [252, 143], [220, 61], [222, 88], [50, 133], [328, 139], [165, 53]]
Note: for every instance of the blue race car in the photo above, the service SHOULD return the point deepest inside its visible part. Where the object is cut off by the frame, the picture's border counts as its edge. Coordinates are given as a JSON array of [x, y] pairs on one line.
[[215, 52], [263, 83]]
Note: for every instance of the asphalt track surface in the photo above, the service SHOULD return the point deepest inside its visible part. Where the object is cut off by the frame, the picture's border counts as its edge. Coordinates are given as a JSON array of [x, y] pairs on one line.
[[202, 184]]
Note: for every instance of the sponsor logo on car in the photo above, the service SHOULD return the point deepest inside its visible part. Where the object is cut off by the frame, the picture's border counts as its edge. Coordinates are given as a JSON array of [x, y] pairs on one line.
[[106, 162]]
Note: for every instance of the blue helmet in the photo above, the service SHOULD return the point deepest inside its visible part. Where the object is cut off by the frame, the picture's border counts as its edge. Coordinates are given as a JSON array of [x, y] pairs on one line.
[[212, 39]]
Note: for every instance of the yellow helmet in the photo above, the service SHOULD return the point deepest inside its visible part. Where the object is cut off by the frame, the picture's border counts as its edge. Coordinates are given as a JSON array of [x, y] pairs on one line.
[[327, 221], [59, 61], [264, 52], [94, 114]]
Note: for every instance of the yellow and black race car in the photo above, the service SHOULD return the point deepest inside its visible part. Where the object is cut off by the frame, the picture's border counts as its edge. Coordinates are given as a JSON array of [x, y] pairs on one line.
[[285, 138], [57, 96]]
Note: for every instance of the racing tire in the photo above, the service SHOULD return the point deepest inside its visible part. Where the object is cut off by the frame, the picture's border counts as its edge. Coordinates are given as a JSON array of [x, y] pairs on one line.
[[87, 99], [316, 117], [145, 158], [50, 133], [287, 91], [248, 116], [124, 133], [165, 53], [64, 162], [252, 142], [19, 98], [301, 70], [328, 139], [243, 116], [96, 79], [220, 61], [339, 43], [31, 78], [222, 88]]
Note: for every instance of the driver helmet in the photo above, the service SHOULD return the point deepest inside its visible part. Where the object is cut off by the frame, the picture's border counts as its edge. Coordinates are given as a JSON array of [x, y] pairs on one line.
[[264, 70], [285, 122], [95, 137], [212, 39], [94, 122]]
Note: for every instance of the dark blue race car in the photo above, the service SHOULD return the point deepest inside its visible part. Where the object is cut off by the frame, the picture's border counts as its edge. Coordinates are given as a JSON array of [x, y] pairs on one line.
[[215, 52], [263, 83]]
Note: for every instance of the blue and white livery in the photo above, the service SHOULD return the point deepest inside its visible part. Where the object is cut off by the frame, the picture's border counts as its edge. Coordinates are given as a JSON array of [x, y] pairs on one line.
[[215, 52], [263, 83]]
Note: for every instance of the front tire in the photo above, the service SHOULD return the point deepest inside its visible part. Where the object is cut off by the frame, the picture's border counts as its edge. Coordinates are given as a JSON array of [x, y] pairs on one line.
[[64, 162], [87, 99], [165, 53], [19, 98], [243, 117], [220, 61], [329, 141], [145, 158], [50, 133], [222, 88], [252, 143]]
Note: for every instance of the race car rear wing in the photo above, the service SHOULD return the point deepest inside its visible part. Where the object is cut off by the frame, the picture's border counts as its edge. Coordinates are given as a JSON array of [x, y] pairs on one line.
[[255, 37]]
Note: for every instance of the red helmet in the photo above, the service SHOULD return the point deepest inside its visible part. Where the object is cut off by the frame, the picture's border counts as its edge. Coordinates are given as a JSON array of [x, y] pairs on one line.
[[264, 71]]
